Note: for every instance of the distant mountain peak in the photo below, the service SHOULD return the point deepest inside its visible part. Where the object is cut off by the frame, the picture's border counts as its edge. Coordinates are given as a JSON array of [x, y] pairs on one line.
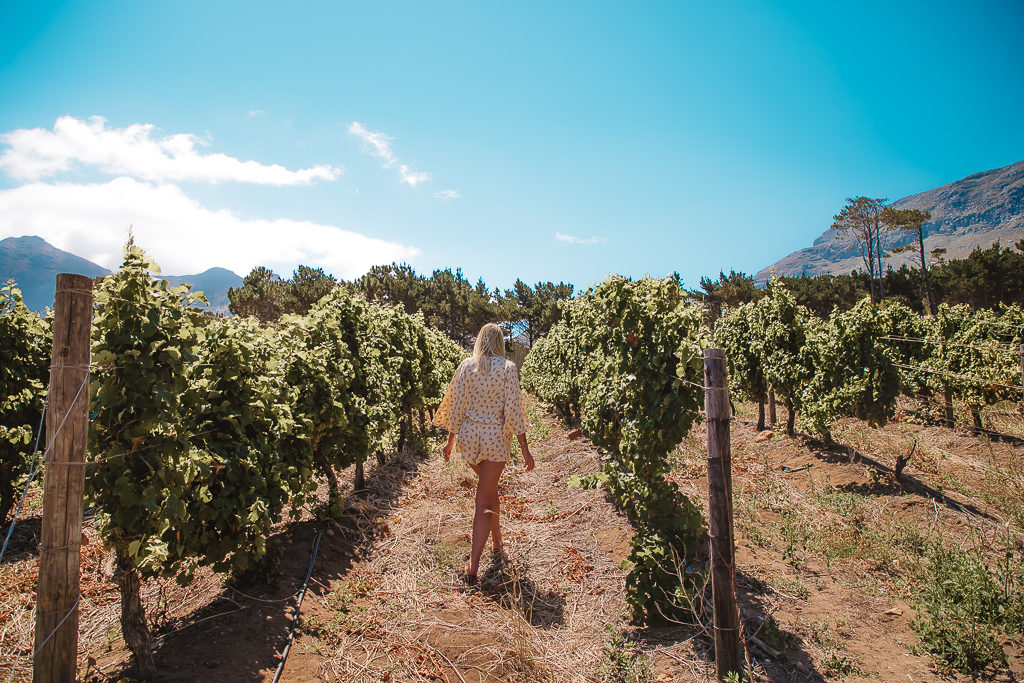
[[33, 263], [978, 210]]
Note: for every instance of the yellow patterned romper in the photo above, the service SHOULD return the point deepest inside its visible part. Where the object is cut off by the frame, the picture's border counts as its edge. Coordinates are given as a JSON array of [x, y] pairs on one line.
[[484, 410]]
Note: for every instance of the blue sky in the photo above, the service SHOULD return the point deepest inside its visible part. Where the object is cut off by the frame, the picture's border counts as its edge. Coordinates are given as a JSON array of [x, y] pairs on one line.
[[652, 137]]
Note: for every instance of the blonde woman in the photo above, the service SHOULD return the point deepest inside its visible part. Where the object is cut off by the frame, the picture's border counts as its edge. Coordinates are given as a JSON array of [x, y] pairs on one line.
[[482, 410]]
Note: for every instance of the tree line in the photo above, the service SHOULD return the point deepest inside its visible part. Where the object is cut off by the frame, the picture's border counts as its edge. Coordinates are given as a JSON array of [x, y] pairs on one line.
[[984, 280], [446, 299]]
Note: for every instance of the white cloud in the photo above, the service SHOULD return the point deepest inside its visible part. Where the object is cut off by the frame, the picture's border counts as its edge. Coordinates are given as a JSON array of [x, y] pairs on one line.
[[92, 221], [136, 151], [447, 195], [379, 145], [253, 113], [579, 240]]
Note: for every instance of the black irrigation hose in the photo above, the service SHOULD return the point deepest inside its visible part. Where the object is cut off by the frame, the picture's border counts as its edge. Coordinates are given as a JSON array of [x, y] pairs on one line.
[[298, 606]]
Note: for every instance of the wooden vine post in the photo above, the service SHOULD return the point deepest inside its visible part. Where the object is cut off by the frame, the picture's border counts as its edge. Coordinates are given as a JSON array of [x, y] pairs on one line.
[[723, 553], [67, 430]]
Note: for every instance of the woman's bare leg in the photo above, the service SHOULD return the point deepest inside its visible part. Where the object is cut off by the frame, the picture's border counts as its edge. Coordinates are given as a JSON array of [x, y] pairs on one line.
[[485, 518], [496, 541]]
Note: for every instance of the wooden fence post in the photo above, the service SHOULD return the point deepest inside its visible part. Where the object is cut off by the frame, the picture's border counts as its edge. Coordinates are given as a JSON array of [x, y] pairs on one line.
[[359, 479], [771, 409], [67, 430], [948, 408], [723, 553]]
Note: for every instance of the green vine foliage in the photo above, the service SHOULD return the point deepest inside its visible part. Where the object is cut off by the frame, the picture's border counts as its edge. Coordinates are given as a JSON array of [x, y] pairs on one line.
[[1008, 330], [407, 370], [901, 327], [392, 350], [825, 369], [783, 326], [25, 341], [975, 355], [323, 366], [250, 455], [857, 362], [553, 370], [737, 333], [359, 370], [443, 356], [854, 374], [204, 432], [145, 470], [632, 356]]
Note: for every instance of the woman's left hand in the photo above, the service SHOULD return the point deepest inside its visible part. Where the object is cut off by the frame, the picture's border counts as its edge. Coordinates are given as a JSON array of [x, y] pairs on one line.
[[528, 463], [448, 449]]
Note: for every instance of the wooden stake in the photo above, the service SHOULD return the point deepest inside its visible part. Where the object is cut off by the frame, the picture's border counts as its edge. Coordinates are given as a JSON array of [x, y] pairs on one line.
[[359, 480], [67, 430], [723, 553], [948, 408], [771, 409]]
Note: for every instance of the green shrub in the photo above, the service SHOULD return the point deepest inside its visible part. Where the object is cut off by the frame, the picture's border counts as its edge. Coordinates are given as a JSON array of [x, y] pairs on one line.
[[623, 661], [967, 607]]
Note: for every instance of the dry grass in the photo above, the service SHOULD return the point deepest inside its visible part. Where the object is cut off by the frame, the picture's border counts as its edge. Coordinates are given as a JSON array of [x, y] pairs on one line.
[[828, 555], [831, 543], [537, 614]]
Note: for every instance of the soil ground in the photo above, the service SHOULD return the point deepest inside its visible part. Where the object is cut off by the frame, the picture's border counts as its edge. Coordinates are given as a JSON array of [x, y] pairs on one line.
[[825, 571]]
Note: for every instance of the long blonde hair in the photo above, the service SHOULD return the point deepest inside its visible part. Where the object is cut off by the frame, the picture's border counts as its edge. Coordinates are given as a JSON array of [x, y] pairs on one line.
[[490, 343]]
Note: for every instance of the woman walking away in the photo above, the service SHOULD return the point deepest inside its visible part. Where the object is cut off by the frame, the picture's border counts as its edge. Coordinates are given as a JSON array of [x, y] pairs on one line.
[[483, 407]]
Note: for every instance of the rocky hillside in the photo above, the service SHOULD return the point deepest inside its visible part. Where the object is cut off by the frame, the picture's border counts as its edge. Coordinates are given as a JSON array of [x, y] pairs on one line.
[[978, 210], [33, 263]]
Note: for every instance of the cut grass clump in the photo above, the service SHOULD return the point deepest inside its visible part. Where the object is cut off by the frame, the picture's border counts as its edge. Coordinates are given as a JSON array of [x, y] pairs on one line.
[[840, 666]]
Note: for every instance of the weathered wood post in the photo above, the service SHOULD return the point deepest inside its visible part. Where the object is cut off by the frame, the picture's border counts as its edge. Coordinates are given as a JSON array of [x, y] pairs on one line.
[[1022, 373], [359, 480], [67, 430], [948, 408], [723, 554], [771, 409]]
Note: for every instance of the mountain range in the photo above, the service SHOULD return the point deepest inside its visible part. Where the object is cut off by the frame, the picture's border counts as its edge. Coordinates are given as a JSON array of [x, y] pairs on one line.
[[977, 211], [33, 263]]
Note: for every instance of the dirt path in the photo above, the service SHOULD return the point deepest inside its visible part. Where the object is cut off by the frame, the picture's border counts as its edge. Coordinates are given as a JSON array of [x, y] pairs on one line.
[[403, 612]]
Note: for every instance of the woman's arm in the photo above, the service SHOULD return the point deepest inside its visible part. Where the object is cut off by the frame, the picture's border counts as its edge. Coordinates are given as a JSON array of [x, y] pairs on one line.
[[448, 446], [515, 415], [453, 406], [527, 458]]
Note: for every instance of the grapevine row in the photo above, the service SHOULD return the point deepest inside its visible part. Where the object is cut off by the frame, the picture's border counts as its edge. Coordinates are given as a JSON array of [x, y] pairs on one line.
[[626, 363], [859, 361], [25, 341], [205, 431]]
